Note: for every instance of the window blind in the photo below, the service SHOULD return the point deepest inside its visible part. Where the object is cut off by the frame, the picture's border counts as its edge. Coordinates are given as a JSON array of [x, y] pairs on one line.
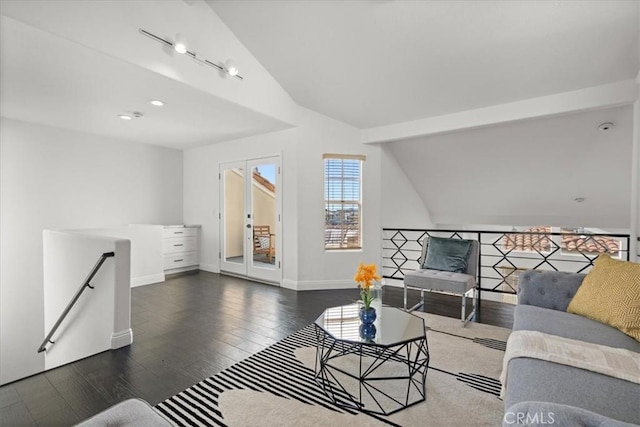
[[343, 201]]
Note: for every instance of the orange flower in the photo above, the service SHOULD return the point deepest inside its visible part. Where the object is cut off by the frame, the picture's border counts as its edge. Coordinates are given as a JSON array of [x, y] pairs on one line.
[[365, 275]]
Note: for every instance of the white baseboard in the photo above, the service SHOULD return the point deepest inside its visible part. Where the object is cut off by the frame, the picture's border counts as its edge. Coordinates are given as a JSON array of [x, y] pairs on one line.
[[147, 280], [121, 339], [317, 285], [180, 269], [211, 268], [396, 283], [289, 284]]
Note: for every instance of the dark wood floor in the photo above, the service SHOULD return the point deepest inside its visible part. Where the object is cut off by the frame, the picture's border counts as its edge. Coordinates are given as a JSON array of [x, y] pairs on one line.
[[186, 329]]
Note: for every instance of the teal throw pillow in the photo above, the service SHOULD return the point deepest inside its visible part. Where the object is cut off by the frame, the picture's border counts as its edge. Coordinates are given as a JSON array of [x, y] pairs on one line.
[[447, 254]]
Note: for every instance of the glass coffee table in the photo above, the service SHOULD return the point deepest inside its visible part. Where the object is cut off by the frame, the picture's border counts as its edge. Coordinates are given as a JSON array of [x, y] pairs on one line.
[[379, 374]]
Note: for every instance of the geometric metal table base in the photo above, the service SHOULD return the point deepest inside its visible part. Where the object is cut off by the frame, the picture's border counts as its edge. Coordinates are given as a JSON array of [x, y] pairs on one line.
[[372, 378]]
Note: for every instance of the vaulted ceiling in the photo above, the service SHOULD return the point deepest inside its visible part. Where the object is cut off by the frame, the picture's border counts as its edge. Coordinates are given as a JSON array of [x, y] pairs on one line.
[[53, 81], [368, 63], [374, 63], [527, 173], [496, 101], [78, 65], [486, 105]]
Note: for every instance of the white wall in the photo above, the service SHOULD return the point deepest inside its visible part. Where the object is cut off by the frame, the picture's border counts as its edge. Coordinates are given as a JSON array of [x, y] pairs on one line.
[[56, 179], [402, 207], [635, 235], [202, 195], [306, 265], [317, 268], [635, 185]]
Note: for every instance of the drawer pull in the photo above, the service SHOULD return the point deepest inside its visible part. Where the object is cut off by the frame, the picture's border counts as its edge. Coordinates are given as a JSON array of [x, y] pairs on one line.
[[178, 260], [178, 232], [178, 244]]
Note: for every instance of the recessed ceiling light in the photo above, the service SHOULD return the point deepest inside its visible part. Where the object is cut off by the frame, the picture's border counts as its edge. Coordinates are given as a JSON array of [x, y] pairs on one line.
[[156, 102], [124, 117]]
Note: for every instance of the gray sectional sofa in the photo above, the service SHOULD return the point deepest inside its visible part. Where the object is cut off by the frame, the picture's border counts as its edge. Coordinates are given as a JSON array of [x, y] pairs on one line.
[[569, 396]]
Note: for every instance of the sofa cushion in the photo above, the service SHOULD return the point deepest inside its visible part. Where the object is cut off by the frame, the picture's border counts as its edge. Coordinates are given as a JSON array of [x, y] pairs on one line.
[[435, 280], [610, 293], [447, 254], [539, 380], [561, 323], [549, 289]]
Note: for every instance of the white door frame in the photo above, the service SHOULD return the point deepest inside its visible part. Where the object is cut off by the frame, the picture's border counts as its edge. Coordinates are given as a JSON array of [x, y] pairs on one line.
[[247, 267]]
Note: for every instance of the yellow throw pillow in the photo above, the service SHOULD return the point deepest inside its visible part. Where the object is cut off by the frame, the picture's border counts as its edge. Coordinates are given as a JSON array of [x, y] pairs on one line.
[[610, 293]]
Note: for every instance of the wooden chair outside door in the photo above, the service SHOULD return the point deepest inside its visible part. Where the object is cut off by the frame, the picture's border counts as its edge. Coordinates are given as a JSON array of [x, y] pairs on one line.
[[264, 241]]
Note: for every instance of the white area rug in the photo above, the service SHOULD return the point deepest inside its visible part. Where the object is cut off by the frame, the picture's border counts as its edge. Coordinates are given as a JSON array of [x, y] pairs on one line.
[[276, 386]]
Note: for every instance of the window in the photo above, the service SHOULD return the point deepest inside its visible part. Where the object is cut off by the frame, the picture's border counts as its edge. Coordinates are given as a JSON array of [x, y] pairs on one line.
[[343, 201]]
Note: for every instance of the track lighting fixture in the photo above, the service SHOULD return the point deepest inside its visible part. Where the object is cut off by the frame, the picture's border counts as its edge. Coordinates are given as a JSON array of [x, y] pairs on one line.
[[180, 46]]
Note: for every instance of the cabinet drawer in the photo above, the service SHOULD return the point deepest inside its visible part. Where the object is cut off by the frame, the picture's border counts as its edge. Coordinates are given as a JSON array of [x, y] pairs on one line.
[[179, 244], [180, 260], [179, 232]]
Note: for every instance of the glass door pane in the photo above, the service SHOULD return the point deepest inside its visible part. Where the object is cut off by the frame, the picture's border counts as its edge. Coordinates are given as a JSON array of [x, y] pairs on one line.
[[233, 223], [264, 211], [264, 204]]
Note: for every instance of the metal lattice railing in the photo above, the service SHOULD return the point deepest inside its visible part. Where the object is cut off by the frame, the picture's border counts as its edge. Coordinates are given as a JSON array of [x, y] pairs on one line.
[[504, 254]]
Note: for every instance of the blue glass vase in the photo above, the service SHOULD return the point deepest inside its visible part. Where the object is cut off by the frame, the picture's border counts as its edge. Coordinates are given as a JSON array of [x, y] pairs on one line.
[[367, 331], [368, 315]]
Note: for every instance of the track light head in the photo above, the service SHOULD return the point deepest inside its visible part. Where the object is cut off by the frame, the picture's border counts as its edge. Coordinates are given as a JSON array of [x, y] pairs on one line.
[[180, 44], [231, 67]]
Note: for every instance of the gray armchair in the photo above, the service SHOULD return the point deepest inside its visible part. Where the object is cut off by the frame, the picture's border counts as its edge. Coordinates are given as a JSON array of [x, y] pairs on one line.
[[445, 281]]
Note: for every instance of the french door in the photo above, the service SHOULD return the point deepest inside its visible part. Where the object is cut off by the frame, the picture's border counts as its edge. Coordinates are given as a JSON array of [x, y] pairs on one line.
[[250, 220]]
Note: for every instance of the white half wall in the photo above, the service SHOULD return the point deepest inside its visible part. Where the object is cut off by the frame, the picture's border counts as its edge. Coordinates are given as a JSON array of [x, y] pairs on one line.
[[101, 317], [147, 263], [56, 179]]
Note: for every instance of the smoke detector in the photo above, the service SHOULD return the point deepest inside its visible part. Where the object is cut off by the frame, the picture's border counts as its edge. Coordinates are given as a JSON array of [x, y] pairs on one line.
[[605, 126]]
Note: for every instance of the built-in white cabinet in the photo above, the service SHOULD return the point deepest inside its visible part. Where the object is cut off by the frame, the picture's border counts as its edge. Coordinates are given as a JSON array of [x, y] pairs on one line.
[[180, 248]]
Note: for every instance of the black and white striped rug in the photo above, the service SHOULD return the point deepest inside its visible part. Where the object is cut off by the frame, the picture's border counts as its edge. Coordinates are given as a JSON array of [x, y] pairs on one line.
[[277, 371]]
